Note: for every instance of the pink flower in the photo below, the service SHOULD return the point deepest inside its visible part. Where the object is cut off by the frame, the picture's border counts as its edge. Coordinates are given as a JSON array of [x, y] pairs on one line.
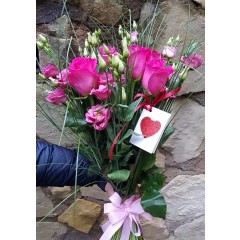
[[100, 118], [112, 50], [102, 93], [62, 78], [134, 36], [105, 78], [137, 59], [193, 61], [82, 75], [169, 52], [50, 71], [56, 97], [155, 76]]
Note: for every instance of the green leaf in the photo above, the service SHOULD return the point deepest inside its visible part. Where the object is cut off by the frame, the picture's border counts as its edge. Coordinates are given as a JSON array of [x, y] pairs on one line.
[[119, 175], [153, 182], [130, 110], [128, 134], [150, 161], [110, 132], [168, 131], [153, 202], [73, 122]]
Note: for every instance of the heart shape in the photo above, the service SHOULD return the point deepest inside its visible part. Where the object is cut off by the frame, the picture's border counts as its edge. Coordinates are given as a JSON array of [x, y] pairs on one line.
[[149, 127]]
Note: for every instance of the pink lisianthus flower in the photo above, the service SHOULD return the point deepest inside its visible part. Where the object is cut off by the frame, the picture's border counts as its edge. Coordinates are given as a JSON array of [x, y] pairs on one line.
[[50, 71], [100, 118], [193, 61], [105, 78], [134, 37], [83, 75], [112, 50], [137, 59], [102, 93], [56, 97], [169, 52], [62, 78], [155, 76]]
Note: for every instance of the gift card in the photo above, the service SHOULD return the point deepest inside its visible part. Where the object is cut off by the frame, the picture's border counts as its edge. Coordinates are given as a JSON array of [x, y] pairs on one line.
[[149, 129]]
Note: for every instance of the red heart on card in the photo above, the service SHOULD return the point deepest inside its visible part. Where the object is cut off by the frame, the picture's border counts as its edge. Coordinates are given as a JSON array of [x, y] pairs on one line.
[[149, 127]]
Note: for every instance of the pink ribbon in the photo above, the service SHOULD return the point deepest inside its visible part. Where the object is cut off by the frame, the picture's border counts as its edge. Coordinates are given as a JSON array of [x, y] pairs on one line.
[[123, 215]]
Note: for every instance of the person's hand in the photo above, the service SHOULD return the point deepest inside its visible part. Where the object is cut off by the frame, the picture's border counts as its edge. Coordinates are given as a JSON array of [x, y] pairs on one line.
[[109, 189]]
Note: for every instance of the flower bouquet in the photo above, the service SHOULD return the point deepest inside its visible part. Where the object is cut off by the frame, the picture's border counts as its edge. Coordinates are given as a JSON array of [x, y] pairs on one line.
[[118, 101]]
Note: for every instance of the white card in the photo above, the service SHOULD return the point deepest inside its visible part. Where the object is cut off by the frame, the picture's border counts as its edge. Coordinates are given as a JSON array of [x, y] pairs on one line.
[[151, 126]]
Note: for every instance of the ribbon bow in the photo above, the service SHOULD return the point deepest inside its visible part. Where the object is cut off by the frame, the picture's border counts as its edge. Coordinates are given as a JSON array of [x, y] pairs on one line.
[[158, 98], [123, 215]]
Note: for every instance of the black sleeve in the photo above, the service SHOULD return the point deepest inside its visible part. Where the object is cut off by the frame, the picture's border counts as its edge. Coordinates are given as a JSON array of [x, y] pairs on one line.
[[56, 166]]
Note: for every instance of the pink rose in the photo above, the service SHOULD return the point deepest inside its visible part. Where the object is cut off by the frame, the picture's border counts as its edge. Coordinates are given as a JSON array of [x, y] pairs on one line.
[[82, 75], [112, 50], [62, 78], [155, 76], [102, 93], [56, 97], [169, 52], [50, 71], [99, 119], [193, 61], [136, 61], [134, 36]]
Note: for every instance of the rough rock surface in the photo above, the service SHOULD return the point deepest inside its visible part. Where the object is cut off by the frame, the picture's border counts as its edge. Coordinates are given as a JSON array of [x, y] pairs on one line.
[[60, 192], [176, 21], [81, 215], [155, 228], [194, 230], [185, 196], [94, 192], [44, 204], [187, 141], [50, 230]]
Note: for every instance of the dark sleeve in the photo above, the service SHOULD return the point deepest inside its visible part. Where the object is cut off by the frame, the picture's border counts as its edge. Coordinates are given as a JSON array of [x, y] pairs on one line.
[[56, 166]]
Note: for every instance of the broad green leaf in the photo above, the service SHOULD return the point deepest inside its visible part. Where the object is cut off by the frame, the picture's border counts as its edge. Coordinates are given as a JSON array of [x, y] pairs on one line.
[[128, 134], [153, 202], [110, 132], [153, 182], [129, 112], [119, 175], [149, 162], [168, 131], [72, 122]]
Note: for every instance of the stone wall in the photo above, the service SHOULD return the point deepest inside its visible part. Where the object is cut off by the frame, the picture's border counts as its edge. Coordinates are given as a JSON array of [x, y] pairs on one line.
[[183, 154]]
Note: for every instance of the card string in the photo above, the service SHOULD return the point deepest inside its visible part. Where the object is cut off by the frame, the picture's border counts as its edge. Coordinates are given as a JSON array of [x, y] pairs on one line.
[[158, 98]]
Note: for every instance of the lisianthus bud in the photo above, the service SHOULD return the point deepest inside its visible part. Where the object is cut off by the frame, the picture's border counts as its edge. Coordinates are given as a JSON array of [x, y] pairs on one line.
[[135, 25], [89, 38], [40, 45], [183, 74], [94, 39], [85, 52], [177, 39], [170, 41], [120, 67], [124, 42], [54, 82], [169, 52], [80, 50], [106, 49], [101, 62], [128, 36], [99, 32], [120, 30], [42, 76], [124, 96], [115, 61], [93, 55], [175, 66], [115, 73], [42, 38], [125, 52], [134, 36], [86, 44]]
